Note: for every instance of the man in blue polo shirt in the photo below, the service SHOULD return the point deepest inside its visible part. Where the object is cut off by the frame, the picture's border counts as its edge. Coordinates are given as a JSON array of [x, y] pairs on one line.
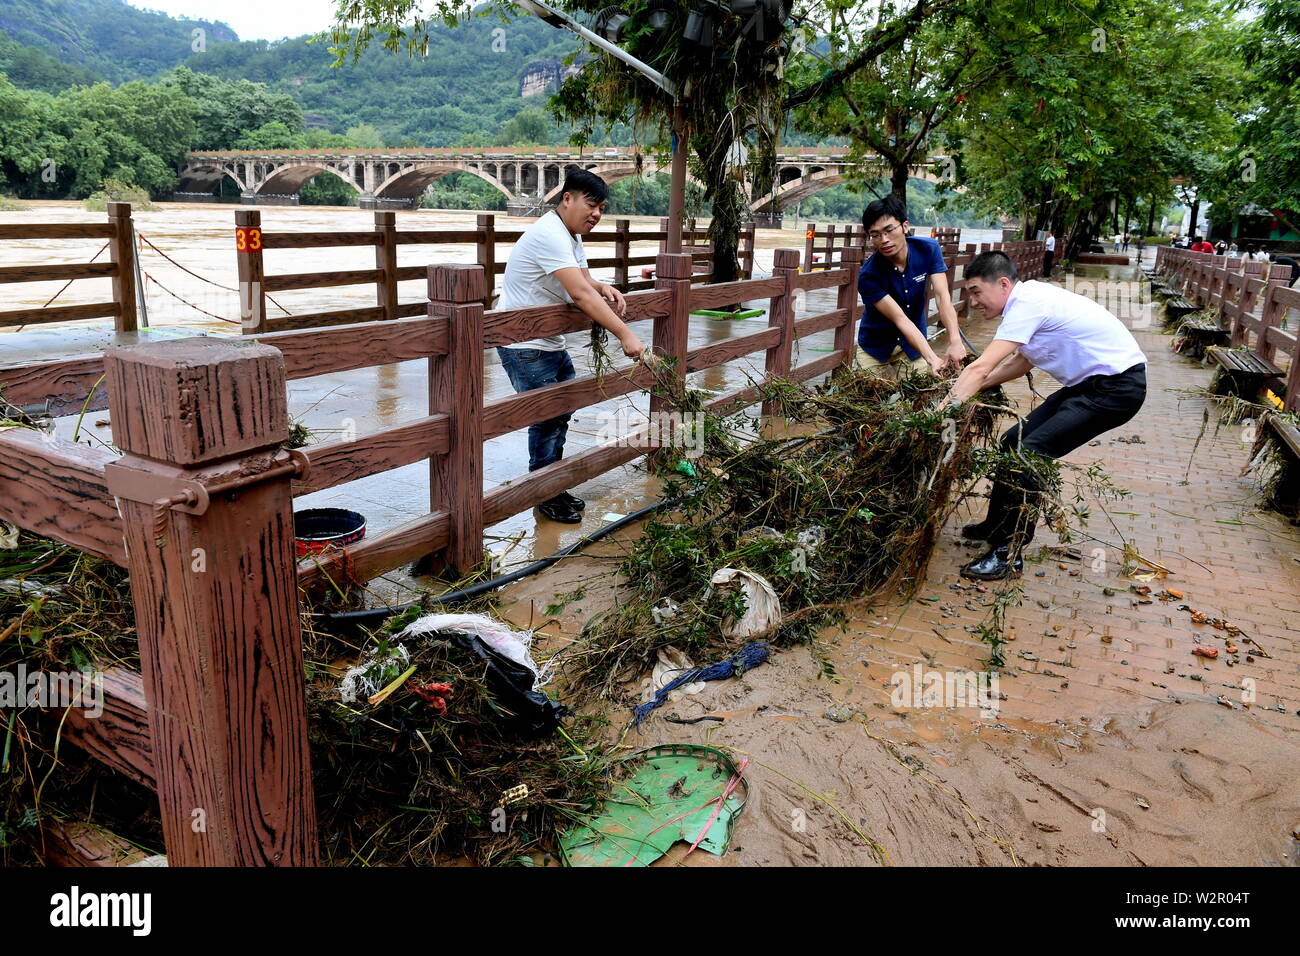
[[893, 286]]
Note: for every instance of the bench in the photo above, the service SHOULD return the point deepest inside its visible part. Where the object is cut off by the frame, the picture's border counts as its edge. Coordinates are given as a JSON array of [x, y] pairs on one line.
[[1287, 433], [1178, 307], [1246, 370], [1203, 323], [1197, 333], [1284, 495]]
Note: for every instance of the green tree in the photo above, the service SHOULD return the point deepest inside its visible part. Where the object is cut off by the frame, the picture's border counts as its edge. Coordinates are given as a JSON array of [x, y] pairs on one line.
[[227, 110], [1077, 132], [531, 126], [272, 135], [890, 108], [365, 136]]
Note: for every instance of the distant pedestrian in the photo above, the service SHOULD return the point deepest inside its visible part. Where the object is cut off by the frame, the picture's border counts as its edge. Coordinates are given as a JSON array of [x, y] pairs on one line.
[[1049, 245], [1124, 247], [1233, 250], [1295, 268], [1200, 245], [1220, 248]]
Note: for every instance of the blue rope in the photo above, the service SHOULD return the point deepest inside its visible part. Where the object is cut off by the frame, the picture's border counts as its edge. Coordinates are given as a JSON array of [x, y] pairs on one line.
[[751, 655]]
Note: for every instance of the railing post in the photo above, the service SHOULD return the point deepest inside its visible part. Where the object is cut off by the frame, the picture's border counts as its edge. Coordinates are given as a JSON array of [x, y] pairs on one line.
[[122, 252], [1271, 313], [386, 260], [809, 246], [487, 255], [216, 596], [785, 264], [747, 250], [669, 333], [846, 334], [248, 257], [622, 251], [456, 389]]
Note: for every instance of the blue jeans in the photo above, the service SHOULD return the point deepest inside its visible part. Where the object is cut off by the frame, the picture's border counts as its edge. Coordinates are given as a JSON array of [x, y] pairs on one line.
[[534, 368]]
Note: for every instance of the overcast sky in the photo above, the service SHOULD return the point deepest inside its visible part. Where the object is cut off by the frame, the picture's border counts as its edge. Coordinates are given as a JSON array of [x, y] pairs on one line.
[[252, 19]]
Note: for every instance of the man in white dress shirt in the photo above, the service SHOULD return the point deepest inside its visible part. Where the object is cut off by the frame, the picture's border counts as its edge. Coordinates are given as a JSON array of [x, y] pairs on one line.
[[1080, 344]]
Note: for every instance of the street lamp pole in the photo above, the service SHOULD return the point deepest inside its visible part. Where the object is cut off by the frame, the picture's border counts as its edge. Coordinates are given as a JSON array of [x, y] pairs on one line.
[[677, 191]]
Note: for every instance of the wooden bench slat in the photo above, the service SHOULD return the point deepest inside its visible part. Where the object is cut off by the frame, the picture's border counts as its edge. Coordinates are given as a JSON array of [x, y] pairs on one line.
[[1287, 432]]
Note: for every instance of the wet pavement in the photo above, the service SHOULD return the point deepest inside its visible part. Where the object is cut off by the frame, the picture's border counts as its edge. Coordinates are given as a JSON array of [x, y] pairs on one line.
[[366, 400]]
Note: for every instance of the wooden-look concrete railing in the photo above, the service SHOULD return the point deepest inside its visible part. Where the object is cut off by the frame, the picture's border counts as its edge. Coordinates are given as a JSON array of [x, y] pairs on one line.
[[119, 238], [1250, 299], [199, 509], [255, 284], [825, 248], [251, 242]]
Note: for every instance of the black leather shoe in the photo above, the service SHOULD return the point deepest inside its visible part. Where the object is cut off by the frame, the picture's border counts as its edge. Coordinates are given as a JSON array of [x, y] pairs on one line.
[[573, 501], [557, 509], [979, 531], [993, 566]]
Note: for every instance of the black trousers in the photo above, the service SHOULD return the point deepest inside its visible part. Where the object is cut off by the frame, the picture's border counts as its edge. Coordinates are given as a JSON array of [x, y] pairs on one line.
[[1067, 419], [1048, 256]]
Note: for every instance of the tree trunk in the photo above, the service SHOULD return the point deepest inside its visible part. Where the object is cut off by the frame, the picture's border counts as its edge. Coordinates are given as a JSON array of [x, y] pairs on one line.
[[898, 173], [1194, 215], [1151, 217], [724, 192]]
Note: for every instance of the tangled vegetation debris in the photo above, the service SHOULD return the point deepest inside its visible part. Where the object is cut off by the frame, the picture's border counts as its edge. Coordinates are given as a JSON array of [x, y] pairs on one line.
[[417, 761]]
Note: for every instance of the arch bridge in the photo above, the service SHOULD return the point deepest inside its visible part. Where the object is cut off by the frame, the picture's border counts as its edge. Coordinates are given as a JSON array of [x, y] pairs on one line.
[[396, 178]]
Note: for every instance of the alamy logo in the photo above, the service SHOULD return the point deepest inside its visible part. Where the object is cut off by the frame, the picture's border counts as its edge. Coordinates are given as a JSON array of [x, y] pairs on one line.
[[21, 688], [920, 688], [624, 426], [75, 908]]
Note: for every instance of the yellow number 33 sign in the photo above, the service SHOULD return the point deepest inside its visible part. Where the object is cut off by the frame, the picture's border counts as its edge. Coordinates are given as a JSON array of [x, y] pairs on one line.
[[248, 240]]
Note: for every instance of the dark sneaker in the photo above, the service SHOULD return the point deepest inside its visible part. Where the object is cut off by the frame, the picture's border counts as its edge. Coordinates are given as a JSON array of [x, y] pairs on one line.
[[557, 509], [573, 501], [976, 532], [993, 566]]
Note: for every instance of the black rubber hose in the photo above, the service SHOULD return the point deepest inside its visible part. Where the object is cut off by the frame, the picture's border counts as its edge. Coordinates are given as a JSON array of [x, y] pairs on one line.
[[348, 620], [344, 621]]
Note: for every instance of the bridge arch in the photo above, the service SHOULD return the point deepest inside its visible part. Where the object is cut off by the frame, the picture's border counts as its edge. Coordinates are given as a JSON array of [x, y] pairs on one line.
[[614, 174], [206, 177], [793, 190], [412, 181], [288, 179]]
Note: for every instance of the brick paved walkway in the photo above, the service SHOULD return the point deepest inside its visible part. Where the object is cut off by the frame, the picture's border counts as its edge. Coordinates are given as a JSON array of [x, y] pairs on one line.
[[1076, 651]]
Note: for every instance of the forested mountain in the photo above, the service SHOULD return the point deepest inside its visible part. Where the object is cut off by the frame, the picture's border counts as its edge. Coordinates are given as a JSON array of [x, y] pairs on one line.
[[467, 85], [98, 90], [110, 38]]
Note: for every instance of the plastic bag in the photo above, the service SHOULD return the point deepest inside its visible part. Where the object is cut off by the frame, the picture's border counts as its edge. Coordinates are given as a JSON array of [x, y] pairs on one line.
[[762, 606]]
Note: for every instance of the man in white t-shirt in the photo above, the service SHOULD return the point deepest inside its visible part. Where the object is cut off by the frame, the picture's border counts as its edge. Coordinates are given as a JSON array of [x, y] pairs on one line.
[[1049, 253], [1080, 344], [548, 267]]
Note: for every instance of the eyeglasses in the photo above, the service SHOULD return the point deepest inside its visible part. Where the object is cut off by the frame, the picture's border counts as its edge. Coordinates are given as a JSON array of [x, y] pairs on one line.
[[887, 231]]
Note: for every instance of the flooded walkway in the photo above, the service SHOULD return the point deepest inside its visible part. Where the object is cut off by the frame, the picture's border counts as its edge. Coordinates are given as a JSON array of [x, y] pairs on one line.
[[359, 402], [1112, 743]]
